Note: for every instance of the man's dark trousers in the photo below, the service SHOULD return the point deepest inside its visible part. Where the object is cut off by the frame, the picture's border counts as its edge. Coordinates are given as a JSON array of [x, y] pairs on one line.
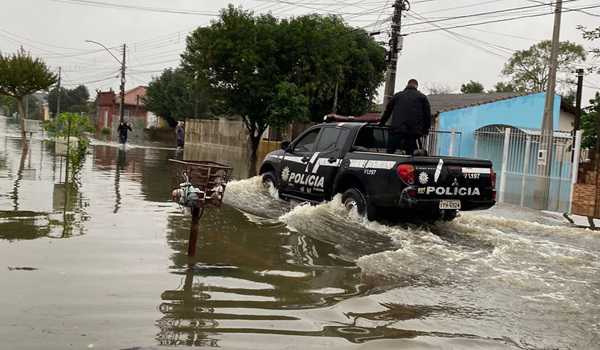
[[403, 141]]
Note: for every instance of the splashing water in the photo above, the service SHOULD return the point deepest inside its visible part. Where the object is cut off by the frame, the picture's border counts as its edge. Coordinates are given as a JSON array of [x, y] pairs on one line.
[[519, 264]]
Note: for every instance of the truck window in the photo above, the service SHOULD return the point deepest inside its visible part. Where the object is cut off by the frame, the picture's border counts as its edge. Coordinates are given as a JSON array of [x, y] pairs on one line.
[[372, 139], [307, 143], [328, 140]]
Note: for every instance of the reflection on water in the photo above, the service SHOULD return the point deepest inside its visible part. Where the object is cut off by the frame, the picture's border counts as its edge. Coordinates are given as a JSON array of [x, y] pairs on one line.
[[269, 274], [40, 203]]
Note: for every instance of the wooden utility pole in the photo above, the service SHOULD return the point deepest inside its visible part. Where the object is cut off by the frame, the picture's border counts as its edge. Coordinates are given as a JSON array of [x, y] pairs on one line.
[[58, 92], [390, 78], [544, 165], [122, 104]]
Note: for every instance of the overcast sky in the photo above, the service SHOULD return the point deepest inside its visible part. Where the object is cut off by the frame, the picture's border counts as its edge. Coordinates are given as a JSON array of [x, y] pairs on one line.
[[155, 33]]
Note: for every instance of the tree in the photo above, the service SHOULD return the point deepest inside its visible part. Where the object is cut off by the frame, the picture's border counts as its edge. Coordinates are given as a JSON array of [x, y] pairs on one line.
[[322, 52], [472, 87], [21, 75], [246, 59], [71, 100], [529, 69], [439, 89], [176, 95], [506, 87], [589, 123], [591, 35]]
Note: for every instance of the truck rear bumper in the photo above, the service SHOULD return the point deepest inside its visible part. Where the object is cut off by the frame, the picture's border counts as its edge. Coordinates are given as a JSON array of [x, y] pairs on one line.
[[434, 204]]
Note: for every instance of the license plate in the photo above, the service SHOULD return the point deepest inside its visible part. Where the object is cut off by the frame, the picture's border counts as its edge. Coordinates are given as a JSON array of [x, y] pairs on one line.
[[450, 204]]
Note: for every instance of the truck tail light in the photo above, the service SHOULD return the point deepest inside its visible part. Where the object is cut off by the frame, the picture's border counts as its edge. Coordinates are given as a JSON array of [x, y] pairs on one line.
[[406, 173]]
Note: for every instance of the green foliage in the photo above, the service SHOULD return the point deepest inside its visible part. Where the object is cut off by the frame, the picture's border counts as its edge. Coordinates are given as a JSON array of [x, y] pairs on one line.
[[506, 87], [289, 104], [72, 125], [22, 75], [591, 35], [105, 131], [245, 60], [8, 105], [590, 122], [71, 100], [472, 87], [529, 69], [176, 95]]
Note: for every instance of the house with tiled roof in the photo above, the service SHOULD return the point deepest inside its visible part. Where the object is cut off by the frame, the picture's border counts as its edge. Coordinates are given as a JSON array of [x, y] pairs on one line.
[[135, 112]]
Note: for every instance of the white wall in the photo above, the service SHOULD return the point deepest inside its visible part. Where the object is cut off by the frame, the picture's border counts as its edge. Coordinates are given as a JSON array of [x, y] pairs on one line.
[[565, 121]]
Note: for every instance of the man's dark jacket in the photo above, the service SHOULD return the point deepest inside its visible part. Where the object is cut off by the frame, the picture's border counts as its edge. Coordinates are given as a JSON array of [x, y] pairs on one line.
[[410, 112]]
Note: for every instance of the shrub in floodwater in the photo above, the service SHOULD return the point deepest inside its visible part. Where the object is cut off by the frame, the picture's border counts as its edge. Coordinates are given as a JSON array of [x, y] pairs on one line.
[[67, 126], [105, 131]]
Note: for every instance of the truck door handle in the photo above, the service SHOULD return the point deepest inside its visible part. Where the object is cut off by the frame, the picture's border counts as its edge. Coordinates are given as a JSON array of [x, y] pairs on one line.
[[305, 159], [332, 160]]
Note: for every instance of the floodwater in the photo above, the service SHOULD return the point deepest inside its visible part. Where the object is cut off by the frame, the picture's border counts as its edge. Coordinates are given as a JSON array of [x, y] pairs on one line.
[[102, 264]]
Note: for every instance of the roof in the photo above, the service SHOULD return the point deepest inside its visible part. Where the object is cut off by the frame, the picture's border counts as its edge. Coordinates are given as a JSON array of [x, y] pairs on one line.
[[134, 96], [448, 102]]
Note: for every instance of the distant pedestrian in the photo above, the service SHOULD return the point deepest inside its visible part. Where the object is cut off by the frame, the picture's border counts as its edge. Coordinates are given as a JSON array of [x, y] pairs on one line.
[[180, 133], [411, 118], [123, 129]]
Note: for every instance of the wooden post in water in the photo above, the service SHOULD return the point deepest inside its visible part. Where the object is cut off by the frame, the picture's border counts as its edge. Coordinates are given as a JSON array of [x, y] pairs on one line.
[[194, 232]]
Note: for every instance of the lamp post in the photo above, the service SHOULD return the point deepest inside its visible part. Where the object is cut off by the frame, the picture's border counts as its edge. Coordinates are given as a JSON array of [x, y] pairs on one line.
[[122, 63]]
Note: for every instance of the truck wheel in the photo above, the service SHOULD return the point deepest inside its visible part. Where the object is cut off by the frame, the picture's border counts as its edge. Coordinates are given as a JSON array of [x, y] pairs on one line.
[[354, 198], [269, 178]]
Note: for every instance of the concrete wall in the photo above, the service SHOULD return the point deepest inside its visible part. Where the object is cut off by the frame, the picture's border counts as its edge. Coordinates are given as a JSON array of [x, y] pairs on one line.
[[225, 141], [524, 111], [566, 121]]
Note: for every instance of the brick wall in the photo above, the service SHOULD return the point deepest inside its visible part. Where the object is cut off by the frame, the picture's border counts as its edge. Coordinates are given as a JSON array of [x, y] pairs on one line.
[[585, 194]]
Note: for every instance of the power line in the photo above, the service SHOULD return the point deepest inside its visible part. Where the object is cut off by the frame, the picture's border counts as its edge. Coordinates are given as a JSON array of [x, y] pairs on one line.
[[103, 4], [496, 21], [484, 13]]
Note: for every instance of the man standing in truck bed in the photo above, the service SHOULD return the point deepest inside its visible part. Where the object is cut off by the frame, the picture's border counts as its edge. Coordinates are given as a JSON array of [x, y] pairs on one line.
[[411, 118]]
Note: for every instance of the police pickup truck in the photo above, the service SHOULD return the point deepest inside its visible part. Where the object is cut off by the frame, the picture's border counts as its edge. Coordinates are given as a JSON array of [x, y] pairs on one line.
[[351, 159]]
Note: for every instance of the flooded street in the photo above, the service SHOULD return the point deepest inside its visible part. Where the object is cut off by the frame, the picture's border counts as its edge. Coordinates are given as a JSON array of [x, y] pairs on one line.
[[102, 264]]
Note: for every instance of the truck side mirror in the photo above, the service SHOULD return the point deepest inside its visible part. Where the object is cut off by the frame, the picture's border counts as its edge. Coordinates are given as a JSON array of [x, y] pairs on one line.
[[285, 145]]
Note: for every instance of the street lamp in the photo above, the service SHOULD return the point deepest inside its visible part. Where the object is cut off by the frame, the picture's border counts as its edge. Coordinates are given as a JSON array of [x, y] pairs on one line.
[[122, 63]]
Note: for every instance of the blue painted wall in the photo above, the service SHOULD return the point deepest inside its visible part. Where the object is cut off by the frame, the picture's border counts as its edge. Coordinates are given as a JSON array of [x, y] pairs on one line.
[[523, 111]]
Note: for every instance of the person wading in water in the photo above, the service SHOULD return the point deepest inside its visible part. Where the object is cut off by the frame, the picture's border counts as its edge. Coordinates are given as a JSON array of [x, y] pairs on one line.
[[123, 129], [180, 132]]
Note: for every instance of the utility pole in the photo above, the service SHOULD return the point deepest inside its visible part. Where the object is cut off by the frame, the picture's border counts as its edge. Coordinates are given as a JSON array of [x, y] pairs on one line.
[[544, 166], [122, 104], [577, 123], [390, 78], [58, 92]]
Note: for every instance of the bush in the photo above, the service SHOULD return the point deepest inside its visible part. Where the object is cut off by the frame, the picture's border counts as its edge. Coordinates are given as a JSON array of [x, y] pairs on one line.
[[72, 125]]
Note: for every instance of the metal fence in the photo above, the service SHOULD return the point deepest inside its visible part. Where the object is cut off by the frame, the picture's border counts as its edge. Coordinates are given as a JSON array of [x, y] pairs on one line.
[[443, 143], [522, 177]]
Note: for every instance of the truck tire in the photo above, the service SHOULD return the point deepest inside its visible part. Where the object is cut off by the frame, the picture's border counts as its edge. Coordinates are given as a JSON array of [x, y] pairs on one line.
[[269, 178], [354, 198]]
